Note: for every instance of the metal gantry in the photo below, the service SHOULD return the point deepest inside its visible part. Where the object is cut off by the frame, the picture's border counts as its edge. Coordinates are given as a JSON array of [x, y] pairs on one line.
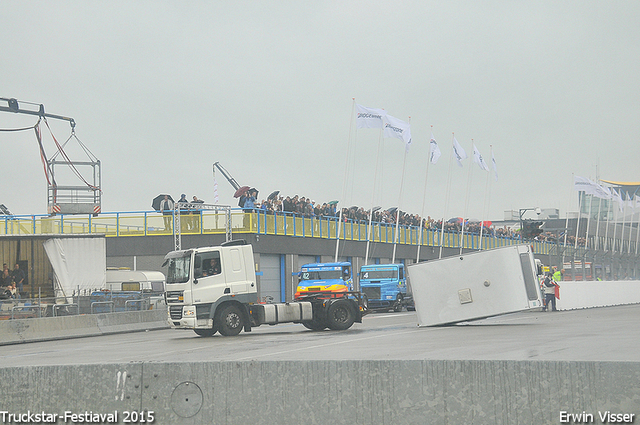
[[190, 208]]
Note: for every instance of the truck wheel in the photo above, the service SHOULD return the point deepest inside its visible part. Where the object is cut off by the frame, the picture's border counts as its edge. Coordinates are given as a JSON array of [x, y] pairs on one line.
[[229, 320], [365, 302], [314, 325], [398, 305], [205, 332], [340, 315]]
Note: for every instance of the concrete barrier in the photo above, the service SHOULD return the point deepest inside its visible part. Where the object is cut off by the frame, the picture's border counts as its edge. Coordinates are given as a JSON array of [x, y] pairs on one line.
[[587, 294], [51, 328], [329, 392]]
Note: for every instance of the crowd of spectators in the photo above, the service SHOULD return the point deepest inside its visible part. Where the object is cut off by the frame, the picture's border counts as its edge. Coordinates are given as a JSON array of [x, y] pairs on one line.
[[306, 207], [11, 282]]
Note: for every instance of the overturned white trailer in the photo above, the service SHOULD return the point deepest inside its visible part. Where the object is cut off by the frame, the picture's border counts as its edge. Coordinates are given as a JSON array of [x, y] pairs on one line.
[[475, 286]]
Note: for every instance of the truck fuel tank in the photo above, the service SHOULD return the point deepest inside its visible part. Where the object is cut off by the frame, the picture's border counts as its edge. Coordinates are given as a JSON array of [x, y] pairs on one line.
[[281, 313]]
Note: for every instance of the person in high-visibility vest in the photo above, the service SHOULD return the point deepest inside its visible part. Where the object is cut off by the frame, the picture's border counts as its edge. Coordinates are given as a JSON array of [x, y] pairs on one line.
[[557, 276]]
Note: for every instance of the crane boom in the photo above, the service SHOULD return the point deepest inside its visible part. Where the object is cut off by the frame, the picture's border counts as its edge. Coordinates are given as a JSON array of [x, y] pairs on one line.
[[226, 175], [15, 108]]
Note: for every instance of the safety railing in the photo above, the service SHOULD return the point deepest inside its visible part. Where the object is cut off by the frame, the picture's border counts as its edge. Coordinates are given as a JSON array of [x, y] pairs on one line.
[[91, 302], [95, 305], [148, 223], [67, 309]]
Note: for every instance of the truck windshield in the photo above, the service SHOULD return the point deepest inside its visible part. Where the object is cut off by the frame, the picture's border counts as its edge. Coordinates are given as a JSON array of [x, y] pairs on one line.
[[379, 274], [179, 270], [320, 275]]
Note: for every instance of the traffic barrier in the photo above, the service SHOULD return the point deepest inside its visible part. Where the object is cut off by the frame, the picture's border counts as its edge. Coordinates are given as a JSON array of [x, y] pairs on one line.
[[588, 294], [324, 392], [51, 328]]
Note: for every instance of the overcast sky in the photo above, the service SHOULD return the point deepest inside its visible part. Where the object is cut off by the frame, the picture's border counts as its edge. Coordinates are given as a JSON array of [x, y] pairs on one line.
[[161, 90]]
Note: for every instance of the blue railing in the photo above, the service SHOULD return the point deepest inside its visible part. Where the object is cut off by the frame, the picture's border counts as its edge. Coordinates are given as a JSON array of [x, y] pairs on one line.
[[148, 223]]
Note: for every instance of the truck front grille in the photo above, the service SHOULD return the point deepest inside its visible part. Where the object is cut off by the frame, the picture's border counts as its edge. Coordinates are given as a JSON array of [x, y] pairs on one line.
[[373, 293], [175, 312], [174, 297]]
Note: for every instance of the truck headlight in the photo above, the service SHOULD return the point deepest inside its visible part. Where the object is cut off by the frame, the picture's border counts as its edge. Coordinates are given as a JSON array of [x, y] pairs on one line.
[[188, 312]]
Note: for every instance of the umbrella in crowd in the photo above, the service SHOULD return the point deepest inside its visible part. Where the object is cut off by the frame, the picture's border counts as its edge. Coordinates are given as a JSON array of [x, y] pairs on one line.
[[240, 191], [273, 195], [155, 204], [455, 220], [332, 202]]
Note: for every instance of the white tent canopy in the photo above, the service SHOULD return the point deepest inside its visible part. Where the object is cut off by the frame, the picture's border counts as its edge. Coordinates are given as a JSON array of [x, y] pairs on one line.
[[78, 263]]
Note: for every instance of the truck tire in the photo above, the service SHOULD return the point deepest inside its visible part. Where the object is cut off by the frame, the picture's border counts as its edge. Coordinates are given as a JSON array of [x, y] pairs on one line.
[[398, 305], [314, 325], [340, 315], [229, 320], [205, 332]]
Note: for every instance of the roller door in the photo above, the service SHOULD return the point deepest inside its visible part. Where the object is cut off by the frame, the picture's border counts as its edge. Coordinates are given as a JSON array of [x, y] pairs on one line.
[[305, 259], [271, 277]]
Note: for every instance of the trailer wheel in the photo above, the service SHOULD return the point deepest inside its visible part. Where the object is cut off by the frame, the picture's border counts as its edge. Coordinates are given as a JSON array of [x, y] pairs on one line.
[[229, 320], [205, 332], [340, 315]]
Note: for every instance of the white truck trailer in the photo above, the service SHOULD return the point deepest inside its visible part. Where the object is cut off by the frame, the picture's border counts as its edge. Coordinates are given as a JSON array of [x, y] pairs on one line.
[[214, 289], [474, 286]]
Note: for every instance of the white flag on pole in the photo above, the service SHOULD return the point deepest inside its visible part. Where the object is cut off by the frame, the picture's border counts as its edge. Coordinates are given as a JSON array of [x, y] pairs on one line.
[[478, 159], [495, 167], [583, 184], [458, 152], [618, 197], [434, 151], [393, 127], [369, 117], [630, 203]]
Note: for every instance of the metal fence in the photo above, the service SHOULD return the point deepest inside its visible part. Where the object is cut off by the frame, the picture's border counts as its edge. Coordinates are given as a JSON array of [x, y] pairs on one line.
[[96, 302]]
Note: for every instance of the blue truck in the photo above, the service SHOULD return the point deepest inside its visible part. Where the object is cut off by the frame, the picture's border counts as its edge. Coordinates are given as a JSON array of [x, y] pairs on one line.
[[324, 277], [385, 286]]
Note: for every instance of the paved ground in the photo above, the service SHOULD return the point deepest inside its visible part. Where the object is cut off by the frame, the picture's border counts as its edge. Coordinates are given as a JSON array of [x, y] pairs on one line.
[[600, 334]]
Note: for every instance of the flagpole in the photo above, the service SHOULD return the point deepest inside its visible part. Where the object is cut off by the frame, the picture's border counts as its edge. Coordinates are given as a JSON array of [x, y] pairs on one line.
[[632, 205], [395, 242], [566, 223], [485, 209], [624, 220], [586, 236], [466, 204], [615, 231], [446, 201], [366, 255], [633, 212], [638, 230], [580, 198], [598, 223], [424, 197], [344, 183]]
